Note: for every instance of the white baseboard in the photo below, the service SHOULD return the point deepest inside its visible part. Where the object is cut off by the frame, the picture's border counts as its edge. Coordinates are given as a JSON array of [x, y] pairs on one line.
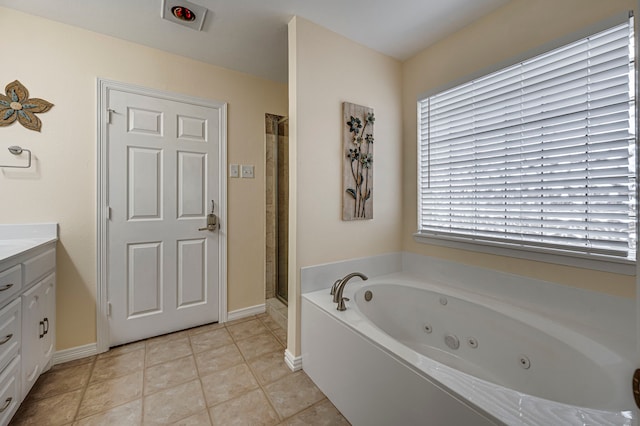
[[246, 312], [293, 362], [72, 354]]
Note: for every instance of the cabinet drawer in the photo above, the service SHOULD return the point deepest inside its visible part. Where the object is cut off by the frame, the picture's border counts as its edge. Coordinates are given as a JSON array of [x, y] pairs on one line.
[[38, 266], [10, 283], [10, 332], [9, 391]]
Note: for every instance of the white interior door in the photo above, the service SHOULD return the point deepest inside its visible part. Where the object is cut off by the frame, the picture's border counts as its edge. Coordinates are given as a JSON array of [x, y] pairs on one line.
[[163, 178]]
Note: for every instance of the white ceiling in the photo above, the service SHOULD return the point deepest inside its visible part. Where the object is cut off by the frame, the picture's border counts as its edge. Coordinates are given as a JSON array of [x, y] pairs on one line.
[[251, 35]]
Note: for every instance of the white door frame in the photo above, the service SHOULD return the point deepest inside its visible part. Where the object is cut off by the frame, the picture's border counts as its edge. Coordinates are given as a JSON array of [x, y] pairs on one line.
[[102, 302]]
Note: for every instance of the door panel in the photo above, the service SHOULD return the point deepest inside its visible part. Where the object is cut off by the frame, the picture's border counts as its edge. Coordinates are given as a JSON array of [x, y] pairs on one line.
[[144, 281], [144, 183], [192, 183], [145, 122], [192, 272], [192, 128], [162, 271]]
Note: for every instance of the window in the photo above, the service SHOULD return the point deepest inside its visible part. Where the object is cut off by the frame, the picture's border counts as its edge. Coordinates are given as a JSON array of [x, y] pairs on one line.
[[539, 156]]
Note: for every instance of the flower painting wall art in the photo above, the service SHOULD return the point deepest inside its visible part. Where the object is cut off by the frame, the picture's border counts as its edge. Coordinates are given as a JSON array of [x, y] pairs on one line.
[[357, 172]]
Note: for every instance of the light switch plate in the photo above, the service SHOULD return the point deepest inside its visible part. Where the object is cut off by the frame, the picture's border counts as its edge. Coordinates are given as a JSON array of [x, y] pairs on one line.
[[234, 170], [247, 171]]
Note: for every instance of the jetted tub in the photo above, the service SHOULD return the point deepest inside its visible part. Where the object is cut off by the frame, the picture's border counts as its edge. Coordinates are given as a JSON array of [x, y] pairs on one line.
[[417, 353]]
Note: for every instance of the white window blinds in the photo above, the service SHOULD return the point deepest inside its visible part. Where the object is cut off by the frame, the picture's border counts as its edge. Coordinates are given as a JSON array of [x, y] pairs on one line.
[[540, 154]]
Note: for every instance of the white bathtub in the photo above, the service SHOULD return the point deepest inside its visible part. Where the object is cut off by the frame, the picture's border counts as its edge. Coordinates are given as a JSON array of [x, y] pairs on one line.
[[386, 361]]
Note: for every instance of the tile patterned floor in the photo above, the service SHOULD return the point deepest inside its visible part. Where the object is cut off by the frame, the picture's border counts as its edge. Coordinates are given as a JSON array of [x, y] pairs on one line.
[[217, 374]]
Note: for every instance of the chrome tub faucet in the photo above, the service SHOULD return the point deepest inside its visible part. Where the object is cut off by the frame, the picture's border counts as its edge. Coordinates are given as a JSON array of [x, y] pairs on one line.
[[338, 288]]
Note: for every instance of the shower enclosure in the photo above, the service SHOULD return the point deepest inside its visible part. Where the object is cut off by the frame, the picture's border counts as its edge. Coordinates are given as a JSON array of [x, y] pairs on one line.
[[277, 206]]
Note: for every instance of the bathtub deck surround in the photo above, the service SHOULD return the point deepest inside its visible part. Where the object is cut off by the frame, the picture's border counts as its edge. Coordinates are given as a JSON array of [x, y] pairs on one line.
[[230, 373], [480, 308], [319, 277], [609, 319]]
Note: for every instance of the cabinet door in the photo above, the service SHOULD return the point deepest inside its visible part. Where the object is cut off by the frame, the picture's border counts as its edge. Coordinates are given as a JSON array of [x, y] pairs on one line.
[[38, 341], [32, 334], [48, 312]]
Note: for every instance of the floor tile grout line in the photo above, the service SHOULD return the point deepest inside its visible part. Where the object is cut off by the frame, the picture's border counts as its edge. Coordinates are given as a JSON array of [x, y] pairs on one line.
[[246, 363], [117, 376], [144, 394], [282, 417], [32, 400], [84, 390], [278, 339], [204, 397], [264, 392], [108, 409], [271, 328], [144, 377], [235, 339], [260, 386], [31, 397], [112, 407]]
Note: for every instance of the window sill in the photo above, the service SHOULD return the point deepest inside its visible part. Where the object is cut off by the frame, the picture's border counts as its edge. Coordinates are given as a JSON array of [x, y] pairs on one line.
[[559, 257]]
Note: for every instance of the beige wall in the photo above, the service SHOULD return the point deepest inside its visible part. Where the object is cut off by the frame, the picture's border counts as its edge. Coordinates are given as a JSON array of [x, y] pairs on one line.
[[60, 64], [518, 27], [326, 70]]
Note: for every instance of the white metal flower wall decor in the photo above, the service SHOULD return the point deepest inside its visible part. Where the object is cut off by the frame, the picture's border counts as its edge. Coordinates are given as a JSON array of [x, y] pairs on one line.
[[17, 106]]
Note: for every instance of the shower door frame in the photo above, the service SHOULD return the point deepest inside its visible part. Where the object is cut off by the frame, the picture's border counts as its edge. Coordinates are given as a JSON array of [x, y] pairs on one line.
[[278, 284]]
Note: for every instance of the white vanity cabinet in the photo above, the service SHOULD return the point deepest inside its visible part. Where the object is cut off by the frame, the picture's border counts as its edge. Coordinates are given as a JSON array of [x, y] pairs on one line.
[[27, 311]]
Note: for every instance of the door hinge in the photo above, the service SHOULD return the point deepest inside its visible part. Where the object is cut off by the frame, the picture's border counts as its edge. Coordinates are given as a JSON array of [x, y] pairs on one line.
[[109, 112], [107, 213], [636, 387], [109, 309]]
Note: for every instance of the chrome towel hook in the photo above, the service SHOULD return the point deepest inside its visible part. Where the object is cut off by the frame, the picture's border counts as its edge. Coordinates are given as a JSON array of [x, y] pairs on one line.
[[17, 150]]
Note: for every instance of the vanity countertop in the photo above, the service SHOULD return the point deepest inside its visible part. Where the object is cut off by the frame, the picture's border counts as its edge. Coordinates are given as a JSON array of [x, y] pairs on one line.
[[18, 239]]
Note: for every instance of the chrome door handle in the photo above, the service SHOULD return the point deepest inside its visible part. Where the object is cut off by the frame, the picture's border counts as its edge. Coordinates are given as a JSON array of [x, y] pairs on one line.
[[212, 223], [211, 228]]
